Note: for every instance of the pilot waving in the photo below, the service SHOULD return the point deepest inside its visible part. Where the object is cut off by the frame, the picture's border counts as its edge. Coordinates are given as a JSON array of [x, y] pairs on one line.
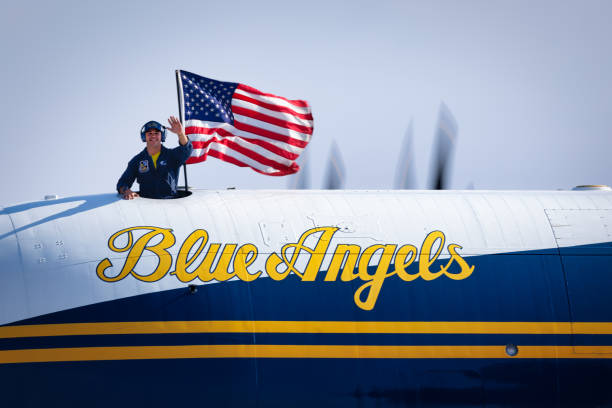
[[156, 167]]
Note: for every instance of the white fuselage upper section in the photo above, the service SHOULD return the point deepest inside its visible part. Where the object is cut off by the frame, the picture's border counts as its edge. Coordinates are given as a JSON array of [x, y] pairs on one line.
[[50, 250]]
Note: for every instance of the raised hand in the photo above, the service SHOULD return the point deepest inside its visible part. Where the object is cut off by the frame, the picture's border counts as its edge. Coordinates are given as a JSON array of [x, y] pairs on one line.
[[177, 127]]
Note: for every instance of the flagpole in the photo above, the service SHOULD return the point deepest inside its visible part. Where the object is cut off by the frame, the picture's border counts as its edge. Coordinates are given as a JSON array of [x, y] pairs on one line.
[[181, 118]]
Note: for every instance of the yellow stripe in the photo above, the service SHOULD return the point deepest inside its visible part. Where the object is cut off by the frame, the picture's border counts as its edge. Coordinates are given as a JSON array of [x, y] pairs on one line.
[[245, 326], [292, 351]]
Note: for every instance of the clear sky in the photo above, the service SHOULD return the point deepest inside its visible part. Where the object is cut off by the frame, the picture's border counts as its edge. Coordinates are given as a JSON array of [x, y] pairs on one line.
[[529, 83]]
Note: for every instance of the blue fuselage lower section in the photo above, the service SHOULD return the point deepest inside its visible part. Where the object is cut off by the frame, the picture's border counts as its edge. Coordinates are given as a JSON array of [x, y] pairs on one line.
[[506, 290]]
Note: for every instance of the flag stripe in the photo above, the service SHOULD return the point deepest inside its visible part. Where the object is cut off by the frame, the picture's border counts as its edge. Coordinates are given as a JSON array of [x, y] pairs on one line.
[[218, 155], [230, 147], [261, 143], [276, 150], [272, 113], [246, 162], [269, 119], [240, 120], [271, 106], [253, 151], [223, 151], [298, 103], [272, 100], [267, 171], [195, 159], [224, 129]]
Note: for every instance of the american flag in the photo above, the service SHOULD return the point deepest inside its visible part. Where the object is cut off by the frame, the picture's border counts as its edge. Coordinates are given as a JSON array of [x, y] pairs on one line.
[[243, 126]]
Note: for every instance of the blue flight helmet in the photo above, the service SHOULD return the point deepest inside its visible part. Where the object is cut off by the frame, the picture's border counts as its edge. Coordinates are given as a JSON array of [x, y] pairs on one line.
[[153, 125]]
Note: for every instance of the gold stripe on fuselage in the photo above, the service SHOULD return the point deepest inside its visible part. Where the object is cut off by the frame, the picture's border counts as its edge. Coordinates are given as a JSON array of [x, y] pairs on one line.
[[267, 326], [295, 351]]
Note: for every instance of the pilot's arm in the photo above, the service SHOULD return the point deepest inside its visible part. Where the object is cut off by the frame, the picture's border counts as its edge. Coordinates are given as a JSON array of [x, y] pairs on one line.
[[177, 127], [182, 152], [125, 182]]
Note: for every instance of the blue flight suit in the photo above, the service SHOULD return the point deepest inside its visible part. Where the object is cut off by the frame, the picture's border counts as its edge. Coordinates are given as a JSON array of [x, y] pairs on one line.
[[155, 182]]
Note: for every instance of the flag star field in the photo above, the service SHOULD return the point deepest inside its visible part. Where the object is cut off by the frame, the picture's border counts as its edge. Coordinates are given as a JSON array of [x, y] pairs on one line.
[[208, 99]]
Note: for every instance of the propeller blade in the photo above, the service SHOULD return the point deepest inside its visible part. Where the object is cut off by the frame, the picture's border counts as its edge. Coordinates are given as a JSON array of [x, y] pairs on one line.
[[335, 176], [301, 180], [405, 171], [446, 138]]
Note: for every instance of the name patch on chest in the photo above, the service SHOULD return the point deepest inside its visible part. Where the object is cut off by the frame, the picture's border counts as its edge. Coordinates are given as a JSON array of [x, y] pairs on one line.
[[144, 166]]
